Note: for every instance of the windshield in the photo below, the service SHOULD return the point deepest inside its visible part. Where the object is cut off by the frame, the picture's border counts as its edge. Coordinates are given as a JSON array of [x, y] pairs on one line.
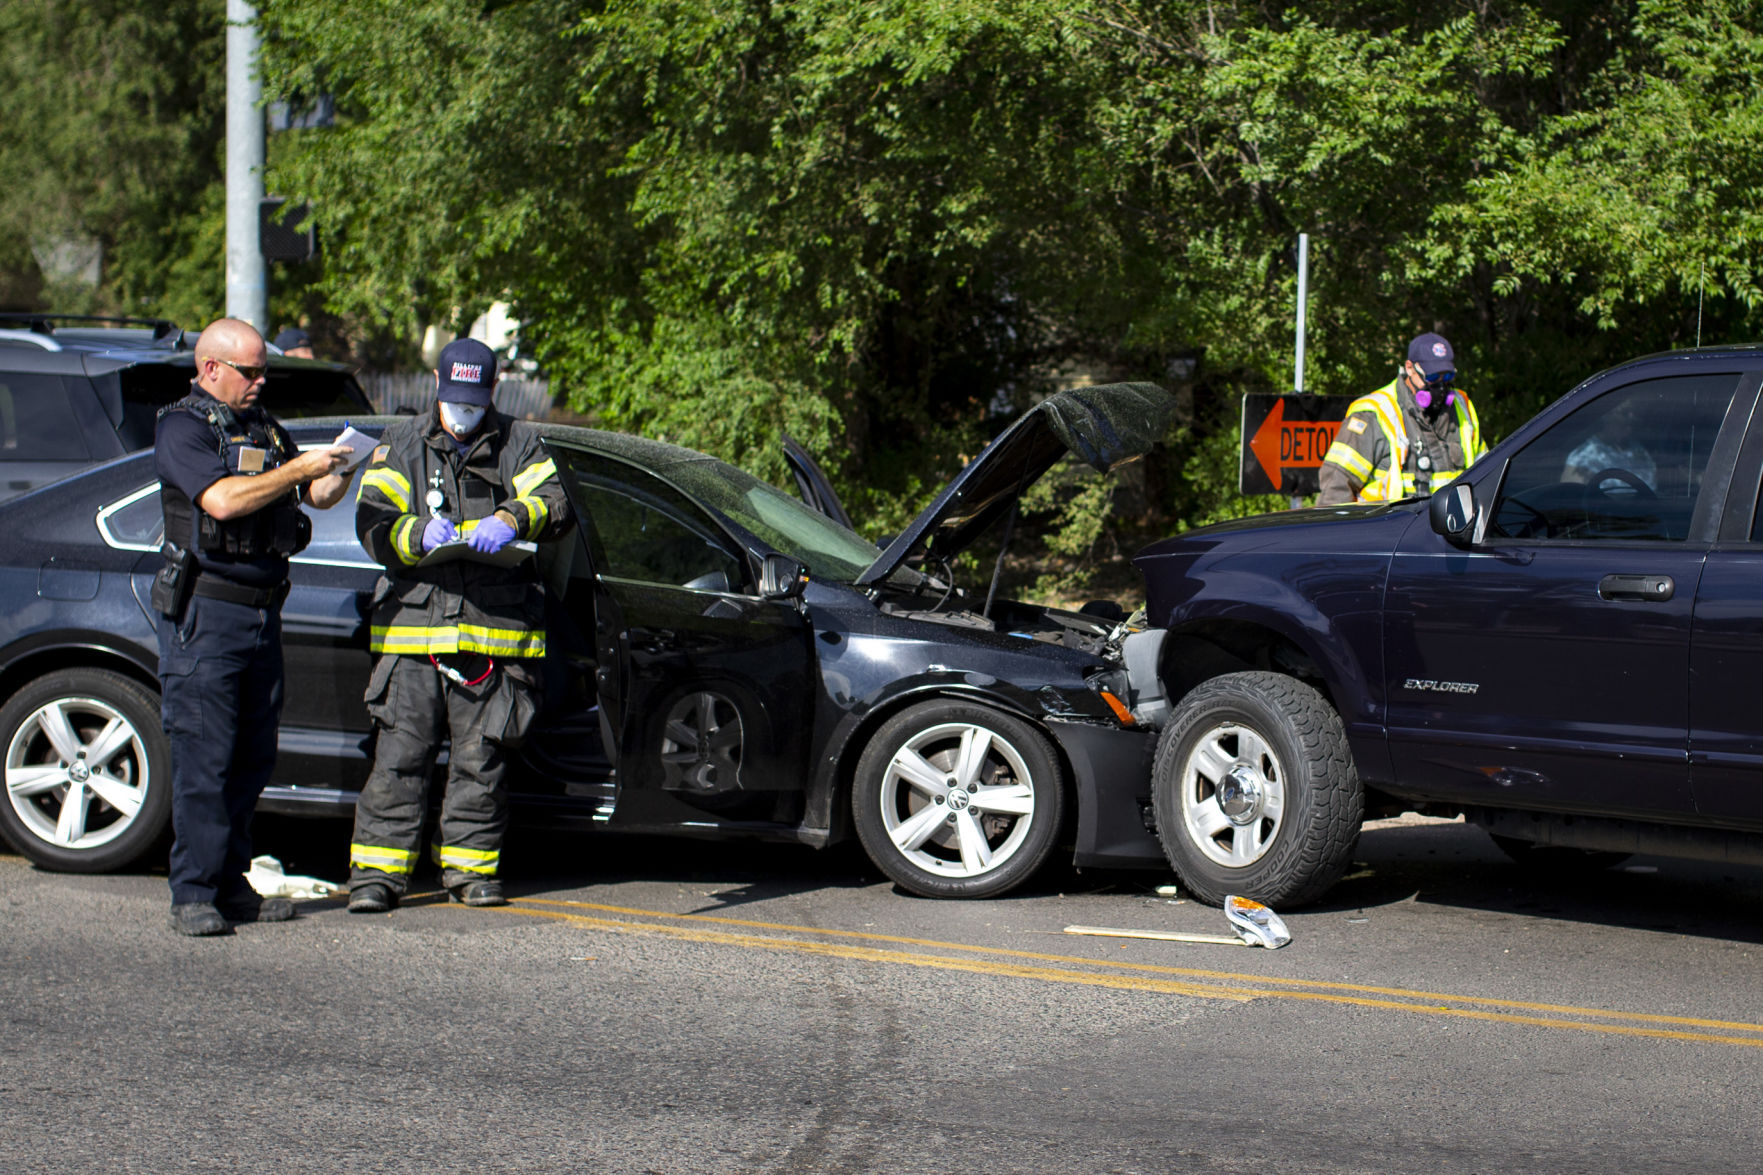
[[829, 550]]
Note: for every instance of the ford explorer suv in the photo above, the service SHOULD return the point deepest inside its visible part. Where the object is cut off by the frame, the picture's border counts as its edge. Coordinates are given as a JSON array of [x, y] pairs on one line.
[[1562, 646]]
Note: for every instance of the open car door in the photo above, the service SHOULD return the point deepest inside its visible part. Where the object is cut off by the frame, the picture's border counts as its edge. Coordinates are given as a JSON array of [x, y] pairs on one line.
[[812, 483], [701, 681]]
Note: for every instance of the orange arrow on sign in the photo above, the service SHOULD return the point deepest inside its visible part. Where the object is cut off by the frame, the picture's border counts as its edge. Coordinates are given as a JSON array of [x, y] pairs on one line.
[[1299, 444]]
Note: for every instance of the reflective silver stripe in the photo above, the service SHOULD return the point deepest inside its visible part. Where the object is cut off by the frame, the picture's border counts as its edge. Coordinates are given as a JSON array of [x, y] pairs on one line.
[[533, 476]]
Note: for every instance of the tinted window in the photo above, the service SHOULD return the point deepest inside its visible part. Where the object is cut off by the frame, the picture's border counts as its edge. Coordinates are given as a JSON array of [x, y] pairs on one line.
[[37, 421], [292, 393], [136, 521], [1627, 466], [641, 528]]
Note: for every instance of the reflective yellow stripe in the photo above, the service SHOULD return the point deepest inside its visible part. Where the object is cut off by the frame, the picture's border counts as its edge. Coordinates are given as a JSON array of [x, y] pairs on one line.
[[533, 476], [383, 858], [536, 511], [1350, 459], [405, 538], [391, 483], [469, 860], [463, 638]]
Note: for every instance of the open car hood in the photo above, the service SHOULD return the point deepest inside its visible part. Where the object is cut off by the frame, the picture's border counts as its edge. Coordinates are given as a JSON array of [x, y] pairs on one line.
[[1107, 426]]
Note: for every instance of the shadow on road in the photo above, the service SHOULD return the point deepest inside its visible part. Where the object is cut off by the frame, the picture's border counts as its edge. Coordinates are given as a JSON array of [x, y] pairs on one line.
[[1433, 863]]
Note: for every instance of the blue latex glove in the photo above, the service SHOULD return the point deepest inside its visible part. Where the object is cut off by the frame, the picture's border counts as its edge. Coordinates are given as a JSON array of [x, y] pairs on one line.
[[439, 530], [491, 535]]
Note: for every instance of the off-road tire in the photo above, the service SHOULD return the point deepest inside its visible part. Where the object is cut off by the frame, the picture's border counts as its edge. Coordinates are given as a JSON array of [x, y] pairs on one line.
[[1301, 739]]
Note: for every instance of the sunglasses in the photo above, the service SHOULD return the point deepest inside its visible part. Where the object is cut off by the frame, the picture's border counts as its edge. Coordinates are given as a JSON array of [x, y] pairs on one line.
[[251, 371], [1437, 380]]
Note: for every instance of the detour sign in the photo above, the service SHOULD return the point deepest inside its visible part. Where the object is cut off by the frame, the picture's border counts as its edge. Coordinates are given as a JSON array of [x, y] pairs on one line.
[[1284, 438]]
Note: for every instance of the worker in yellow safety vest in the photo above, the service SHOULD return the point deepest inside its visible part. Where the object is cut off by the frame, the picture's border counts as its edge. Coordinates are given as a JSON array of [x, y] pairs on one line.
[[1407, 438]]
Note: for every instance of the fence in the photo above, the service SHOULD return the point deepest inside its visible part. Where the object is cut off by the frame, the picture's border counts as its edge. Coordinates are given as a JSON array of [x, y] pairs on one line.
[[414, 391]]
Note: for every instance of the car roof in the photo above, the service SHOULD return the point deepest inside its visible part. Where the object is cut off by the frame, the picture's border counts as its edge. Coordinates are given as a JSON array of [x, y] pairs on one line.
[[650, 454]]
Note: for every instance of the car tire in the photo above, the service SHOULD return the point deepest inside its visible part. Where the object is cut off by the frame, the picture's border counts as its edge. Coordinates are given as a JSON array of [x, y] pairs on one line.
[[924, 776], [1255, 791], [87, 771], [1557, 860]]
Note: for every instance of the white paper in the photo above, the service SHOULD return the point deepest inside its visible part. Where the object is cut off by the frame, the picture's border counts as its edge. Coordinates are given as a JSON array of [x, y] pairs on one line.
[[360, 442]]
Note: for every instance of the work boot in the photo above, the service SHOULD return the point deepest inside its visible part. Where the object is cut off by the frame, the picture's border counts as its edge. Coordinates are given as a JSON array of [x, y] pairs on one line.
[[487, 892], [251, 908], [373, 898], [198, 919]]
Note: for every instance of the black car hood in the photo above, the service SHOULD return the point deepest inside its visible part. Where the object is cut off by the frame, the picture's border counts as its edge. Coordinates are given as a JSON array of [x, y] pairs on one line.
[[1107, 426]]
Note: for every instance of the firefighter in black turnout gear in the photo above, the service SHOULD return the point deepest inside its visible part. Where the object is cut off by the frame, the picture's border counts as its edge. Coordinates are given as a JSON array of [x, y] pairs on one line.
[[457, 626], [231, 485]]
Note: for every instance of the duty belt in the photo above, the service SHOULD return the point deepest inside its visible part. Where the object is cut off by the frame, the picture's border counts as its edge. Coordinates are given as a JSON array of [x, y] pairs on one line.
[[216, 588]]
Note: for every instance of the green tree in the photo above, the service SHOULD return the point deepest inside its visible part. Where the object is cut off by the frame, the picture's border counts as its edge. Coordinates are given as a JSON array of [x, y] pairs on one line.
[[114, 120]]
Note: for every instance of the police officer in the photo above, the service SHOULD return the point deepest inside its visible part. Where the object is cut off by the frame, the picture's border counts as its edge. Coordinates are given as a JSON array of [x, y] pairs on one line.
[[458, 627], [1407, 438], [231, 484]]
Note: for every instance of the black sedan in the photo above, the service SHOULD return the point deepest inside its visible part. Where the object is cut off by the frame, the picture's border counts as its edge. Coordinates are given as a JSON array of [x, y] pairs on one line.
[[723, 660]]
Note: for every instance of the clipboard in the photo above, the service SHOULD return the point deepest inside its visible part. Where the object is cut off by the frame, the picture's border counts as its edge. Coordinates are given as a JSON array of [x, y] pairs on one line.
[[511, 555]]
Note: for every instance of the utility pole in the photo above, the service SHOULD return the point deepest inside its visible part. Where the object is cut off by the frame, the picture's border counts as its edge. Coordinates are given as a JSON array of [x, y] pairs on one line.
[[247, 289], [1303, 297]]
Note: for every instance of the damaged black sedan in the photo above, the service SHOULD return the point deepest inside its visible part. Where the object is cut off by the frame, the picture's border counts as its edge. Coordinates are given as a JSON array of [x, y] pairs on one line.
[[723, 660]]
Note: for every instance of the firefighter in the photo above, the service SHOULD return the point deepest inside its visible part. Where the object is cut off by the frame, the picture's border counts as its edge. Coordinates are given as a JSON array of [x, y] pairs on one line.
[[1407, 438], [457, 629]]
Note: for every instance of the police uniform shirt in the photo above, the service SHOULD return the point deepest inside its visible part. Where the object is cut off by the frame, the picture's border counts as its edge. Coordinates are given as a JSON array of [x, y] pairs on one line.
[[187, 456]]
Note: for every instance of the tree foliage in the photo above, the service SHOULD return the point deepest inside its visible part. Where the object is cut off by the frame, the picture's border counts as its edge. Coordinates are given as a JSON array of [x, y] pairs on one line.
[[884, 227]]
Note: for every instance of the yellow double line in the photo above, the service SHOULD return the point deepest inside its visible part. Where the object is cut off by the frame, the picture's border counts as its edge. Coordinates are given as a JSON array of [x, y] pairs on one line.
[[1187, 981]]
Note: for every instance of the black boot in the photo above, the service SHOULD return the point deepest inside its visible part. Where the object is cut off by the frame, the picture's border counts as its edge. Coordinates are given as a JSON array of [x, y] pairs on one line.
[[251, 908], [487, 892], [198, 919], [374, 897]]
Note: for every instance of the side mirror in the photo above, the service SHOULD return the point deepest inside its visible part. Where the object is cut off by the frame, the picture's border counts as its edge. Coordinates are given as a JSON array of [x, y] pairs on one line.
[[1452, 510], [783, 577]]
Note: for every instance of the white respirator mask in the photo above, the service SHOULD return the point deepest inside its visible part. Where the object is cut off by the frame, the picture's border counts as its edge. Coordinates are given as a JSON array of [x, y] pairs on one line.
[[461, 419]]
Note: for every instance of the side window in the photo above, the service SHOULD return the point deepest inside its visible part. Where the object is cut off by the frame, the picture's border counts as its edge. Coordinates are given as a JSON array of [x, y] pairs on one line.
[[37, 421], [640, 528], [135, 523], [1628, 466]]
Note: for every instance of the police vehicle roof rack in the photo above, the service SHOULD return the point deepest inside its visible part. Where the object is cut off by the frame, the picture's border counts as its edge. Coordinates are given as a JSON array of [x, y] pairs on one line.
[[42, 323]]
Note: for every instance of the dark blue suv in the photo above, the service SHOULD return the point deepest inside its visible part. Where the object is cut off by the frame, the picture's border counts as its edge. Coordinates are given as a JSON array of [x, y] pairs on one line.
[[1563, 646]]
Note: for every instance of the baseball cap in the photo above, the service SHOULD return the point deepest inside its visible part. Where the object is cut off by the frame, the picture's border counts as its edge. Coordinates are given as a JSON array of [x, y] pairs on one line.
[[1432, 354], [468, 372], [291, 338]]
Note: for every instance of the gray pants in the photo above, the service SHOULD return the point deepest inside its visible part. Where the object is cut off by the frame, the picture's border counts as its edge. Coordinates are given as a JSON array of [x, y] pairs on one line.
[[414, 707]]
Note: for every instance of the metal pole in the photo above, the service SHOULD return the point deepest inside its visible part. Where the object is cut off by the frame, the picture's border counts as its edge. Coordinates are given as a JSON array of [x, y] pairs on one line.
[[1303, 297], [247, 291]]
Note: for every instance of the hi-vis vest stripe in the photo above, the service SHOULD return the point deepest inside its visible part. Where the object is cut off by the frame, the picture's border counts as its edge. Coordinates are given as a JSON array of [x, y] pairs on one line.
[[456, 638], [1398, 481], [407, 538]]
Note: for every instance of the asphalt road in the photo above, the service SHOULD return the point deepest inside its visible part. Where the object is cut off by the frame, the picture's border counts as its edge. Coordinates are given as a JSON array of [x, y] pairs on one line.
[[667, 1006]]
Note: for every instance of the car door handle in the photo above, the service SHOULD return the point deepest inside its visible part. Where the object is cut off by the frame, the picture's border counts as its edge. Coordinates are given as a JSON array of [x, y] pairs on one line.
[[1651, 589]]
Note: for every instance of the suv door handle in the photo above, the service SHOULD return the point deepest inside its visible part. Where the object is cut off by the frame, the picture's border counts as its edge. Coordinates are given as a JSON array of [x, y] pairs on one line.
[[1650, 589]]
